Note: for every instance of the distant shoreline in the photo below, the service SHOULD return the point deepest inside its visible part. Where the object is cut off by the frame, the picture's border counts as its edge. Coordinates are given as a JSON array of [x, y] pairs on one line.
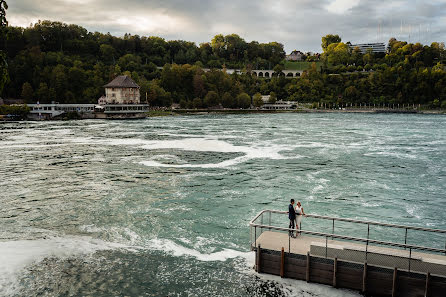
[[247, 111], [175, 112]]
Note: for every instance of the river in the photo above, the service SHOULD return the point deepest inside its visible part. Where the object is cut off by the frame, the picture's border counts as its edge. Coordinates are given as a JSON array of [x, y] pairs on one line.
[[161, 206]]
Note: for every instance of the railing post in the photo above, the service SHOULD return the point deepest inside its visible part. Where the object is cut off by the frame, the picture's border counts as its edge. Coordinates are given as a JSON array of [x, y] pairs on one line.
[[426, 290], [367, 243], [395, 275], [368, 231], [258, 266], [405, 238], [364, 278], [269, 221], [282, 263], [261, 223], [326, 246], [307, 274], [410, 257], [250, 238], [255, 236], [332, 229], [289, 243], [335, 271]]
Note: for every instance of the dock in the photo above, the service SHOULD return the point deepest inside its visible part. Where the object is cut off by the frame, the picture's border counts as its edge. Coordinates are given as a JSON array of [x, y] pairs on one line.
[[373, 267]]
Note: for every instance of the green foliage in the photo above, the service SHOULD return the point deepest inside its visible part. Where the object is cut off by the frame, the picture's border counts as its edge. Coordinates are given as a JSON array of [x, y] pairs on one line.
[[211, 99], [257, 100], [16, 111], [27, 92], [272, 97], [66, 63], [244, 100], [329, 39], [4, 75]]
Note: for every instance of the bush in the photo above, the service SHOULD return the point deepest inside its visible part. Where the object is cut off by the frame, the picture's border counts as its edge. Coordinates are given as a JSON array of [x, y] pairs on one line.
[[211, 99], [17, 111], [244, 100]]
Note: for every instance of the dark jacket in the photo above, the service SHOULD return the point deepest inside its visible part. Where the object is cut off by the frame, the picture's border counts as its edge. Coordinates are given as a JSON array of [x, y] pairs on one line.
[[291, 212]]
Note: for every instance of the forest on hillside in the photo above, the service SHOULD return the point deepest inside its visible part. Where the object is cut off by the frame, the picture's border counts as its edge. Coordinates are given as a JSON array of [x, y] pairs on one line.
[[53, 61]]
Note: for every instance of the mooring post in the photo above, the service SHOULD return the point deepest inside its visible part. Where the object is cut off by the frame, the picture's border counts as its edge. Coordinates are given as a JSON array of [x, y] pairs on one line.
[[335, 271], [308, 267], [364, 278], [395, 274], [282, 263], [258, 259], [426, 291]]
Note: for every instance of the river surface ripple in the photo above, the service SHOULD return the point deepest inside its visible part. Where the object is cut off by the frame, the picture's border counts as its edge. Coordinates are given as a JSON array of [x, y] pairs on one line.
[[161, 206]]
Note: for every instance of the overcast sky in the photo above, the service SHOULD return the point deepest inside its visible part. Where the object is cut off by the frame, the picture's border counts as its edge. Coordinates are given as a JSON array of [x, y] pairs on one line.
[[298, 24]]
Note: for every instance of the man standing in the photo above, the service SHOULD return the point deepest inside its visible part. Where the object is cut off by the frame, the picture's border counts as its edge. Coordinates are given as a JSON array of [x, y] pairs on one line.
[[291, 216]]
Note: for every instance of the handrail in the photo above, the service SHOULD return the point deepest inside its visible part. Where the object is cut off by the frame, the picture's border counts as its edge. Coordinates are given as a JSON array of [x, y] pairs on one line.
[[415, 247], [354, 221]]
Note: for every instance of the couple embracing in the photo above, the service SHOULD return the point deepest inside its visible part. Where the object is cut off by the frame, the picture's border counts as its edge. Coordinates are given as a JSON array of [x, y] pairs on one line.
[[295, 216]]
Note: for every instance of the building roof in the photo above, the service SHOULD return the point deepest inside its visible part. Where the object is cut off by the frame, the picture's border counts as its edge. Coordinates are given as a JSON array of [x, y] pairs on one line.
[[122, 81]]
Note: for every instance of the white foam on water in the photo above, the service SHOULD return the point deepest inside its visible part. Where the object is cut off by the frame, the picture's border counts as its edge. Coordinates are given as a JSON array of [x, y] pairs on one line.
[[177, 250], [223, 164], [17, 255], [213, 145], [413, 210]]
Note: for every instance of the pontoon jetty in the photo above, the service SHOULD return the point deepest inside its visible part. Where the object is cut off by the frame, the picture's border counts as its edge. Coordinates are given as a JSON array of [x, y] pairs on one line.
[[374, 258]]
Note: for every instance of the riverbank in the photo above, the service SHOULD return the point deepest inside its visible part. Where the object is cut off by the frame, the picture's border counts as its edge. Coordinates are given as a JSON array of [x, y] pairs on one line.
[[175, 112]]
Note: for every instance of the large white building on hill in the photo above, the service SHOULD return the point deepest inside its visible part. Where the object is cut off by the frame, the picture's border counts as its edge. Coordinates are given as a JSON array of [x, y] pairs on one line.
[[378, 47]]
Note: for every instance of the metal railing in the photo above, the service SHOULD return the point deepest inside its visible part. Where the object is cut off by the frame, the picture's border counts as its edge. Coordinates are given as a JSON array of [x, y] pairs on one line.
[[371, 246]]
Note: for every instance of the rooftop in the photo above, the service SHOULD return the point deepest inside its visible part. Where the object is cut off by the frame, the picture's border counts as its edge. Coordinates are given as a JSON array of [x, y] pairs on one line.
[[122, 81]]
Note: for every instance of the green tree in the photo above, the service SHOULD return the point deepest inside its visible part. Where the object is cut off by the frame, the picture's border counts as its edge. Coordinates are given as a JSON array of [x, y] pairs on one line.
[[257, 100], [329, 39], [227, 100], [243, 100], [42, 92], [27, 92], [278, 69], [211, 99], [272, 97], [4, 75]]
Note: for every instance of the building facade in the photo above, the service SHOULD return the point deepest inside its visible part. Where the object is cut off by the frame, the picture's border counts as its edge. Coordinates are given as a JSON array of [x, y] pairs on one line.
[[295, 56], [379, 47], [121, 90]]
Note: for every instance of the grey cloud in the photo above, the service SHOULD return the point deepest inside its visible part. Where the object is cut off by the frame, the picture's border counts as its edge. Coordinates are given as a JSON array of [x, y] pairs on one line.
[[296, 24]]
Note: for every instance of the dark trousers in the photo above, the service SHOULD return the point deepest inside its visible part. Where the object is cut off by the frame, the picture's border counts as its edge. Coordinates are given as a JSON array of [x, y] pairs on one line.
[[291, 226]]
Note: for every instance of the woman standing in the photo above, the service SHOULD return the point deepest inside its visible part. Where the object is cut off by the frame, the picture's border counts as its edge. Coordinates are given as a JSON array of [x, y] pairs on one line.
[[299, 213]]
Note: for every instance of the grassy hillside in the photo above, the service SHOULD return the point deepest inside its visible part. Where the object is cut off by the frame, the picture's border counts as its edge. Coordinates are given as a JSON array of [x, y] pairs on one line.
[[291, 65]]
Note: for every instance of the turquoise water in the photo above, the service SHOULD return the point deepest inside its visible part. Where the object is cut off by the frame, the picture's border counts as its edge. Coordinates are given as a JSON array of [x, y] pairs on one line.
[[161, 206]]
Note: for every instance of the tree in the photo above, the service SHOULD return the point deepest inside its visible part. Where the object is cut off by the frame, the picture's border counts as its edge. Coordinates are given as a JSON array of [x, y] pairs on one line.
[[211, 99], [42, 92], [329, 39], [27, 92], [257, 100], [243, 100], [278, 69], [227, 100], [272, 97], [4, 75]]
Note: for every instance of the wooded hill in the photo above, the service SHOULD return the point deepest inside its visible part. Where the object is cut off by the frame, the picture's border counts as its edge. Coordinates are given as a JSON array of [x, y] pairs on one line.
[[66, 63]]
